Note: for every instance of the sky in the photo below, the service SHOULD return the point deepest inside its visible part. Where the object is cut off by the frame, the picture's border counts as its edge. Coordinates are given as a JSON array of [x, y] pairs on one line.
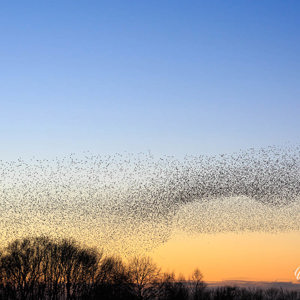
[[170, 77], [228, 256]]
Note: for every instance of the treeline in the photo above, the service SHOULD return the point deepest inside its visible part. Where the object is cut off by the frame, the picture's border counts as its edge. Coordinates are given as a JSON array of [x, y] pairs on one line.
[[44, 268]]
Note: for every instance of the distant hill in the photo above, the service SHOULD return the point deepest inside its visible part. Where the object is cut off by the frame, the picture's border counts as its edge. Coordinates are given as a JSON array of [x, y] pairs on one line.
[[286, 285]]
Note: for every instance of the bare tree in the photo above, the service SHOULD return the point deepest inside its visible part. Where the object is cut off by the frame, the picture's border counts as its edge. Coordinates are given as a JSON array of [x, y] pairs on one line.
[[22, 265], [39, 267], [144, 275], [77, 266], [172, 288], [112, 280], [198, 285]]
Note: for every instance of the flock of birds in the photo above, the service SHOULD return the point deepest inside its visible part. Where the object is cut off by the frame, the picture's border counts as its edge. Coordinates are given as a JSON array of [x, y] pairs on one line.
[[131, 203]]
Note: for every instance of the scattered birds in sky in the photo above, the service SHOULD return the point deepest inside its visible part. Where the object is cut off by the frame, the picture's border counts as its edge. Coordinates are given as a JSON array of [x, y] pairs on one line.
[[133, 203]]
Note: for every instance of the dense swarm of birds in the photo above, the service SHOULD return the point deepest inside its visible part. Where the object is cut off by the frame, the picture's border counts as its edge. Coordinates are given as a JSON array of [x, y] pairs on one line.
[[133, 202]]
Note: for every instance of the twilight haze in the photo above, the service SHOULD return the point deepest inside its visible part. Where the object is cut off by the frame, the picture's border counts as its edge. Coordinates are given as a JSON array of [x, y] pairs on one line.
[[167, 128]]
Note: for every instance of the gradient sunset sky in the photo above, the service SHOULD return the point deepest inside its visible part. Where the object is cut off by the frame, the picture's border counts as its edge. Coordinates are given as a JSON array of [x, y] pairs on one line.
[[164, 77]]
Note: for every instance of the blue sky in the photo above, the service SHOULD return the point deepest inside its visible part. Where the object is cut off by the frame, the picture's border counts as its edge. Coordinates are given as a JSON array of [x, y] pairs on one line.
[[172, 77]]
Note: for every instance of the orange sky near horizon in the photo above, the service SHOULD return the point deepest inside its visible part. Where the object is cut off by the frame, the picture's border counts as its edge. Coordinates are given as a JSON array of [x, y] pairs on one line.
[[247, 255], [253, 256], [232, 256]]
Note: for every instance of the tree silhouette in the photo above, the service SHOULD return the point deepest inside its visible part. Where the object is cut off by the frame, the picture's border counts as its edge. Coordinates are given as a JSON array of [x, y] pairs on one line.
[[23, 264], [198, 285], [172, 289], [144, 275], [43, 268], [33, 265]]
